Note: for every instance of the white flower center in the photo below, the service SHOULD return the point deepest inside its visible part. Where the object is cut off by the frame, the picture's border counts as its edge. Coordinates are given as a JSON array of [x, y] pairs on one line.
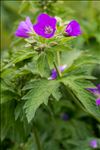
[[48, 30]]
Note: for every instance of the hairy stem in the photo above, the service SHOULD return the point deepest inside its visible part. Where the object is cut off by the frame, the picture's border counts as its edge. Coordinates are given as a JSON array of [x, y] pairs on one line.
[[58, 61], [58, 72]]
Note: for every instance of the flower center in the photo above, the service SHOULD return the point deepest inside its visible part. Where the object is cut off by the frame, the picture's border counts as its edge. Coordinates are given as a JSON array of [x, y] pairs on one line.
[[48, 30]]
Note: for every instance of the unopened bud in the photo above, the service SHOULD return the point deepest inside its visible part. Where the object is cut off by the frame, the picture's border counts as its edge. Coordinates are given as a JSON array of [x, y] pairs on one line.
[[53, 43], [65, 34]]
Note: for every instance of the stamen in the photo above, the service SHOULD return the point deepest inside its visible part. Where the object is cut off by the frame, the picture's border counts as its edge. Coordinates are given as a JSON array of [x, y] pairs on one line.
[[48, 30]]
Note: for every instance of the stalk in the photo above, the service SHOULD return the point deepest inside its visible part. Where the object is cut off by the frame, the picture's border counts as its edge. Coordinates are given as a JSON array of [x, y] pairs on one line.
[[58, 60], [58, 72]]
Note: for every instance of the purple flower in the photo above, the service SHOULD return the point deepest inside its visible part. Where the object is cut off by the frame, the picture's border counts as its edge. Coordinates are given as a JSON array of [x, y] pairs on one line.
[[93, 143], [98, 101], [54, 72], [45, 26], [73, 28], [25, 28], [96, 92], [64, 116]]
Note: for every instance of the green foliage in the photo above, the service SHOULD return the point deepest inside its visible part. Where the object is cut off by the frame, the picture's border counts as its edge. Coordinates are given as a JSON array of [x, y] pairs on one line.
[[29, 99], [22, 55], [45, 5], [7, 93], [7, 119], [43, 66]]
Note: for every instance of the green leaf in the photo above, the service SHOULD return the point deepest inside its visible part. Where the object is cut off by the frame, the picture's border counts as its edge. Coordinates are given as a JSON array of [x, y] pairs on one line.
[[79, 62], [6, 117], [78, 85], [11, 129], [69, 57], [39, 93], [19, 131], [62, 40], [42, 64], [60, 48], [51, 58], [22, 55], [7, 92]]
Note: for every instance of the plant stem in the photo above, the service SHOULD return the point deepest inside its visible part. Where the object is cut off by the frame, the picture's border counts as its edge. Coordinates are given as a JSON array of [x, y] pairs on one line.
[[52, 115], [58, 60], [37, 139], [57, 69]]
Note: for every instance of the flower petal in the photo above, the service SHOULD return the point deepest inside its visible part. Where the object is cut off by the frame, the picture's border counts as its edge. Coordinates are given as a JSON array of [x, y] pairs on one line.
[[93, 90], [38, 29], [62, 68], [24, 28], [54, 74], [45, 26], [64, 116], [23, 25], [98, 101], [21, 33], [98, 86], [73, 28], [28, 21], [53, 22], [43, 18], [93, 143]]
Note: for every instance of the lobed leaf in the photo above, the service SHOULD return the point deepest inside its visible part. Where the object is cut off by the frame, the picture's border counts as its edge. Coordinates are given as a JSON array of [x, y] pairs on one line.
[[39, 93], [78, 87], [22, 55]]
